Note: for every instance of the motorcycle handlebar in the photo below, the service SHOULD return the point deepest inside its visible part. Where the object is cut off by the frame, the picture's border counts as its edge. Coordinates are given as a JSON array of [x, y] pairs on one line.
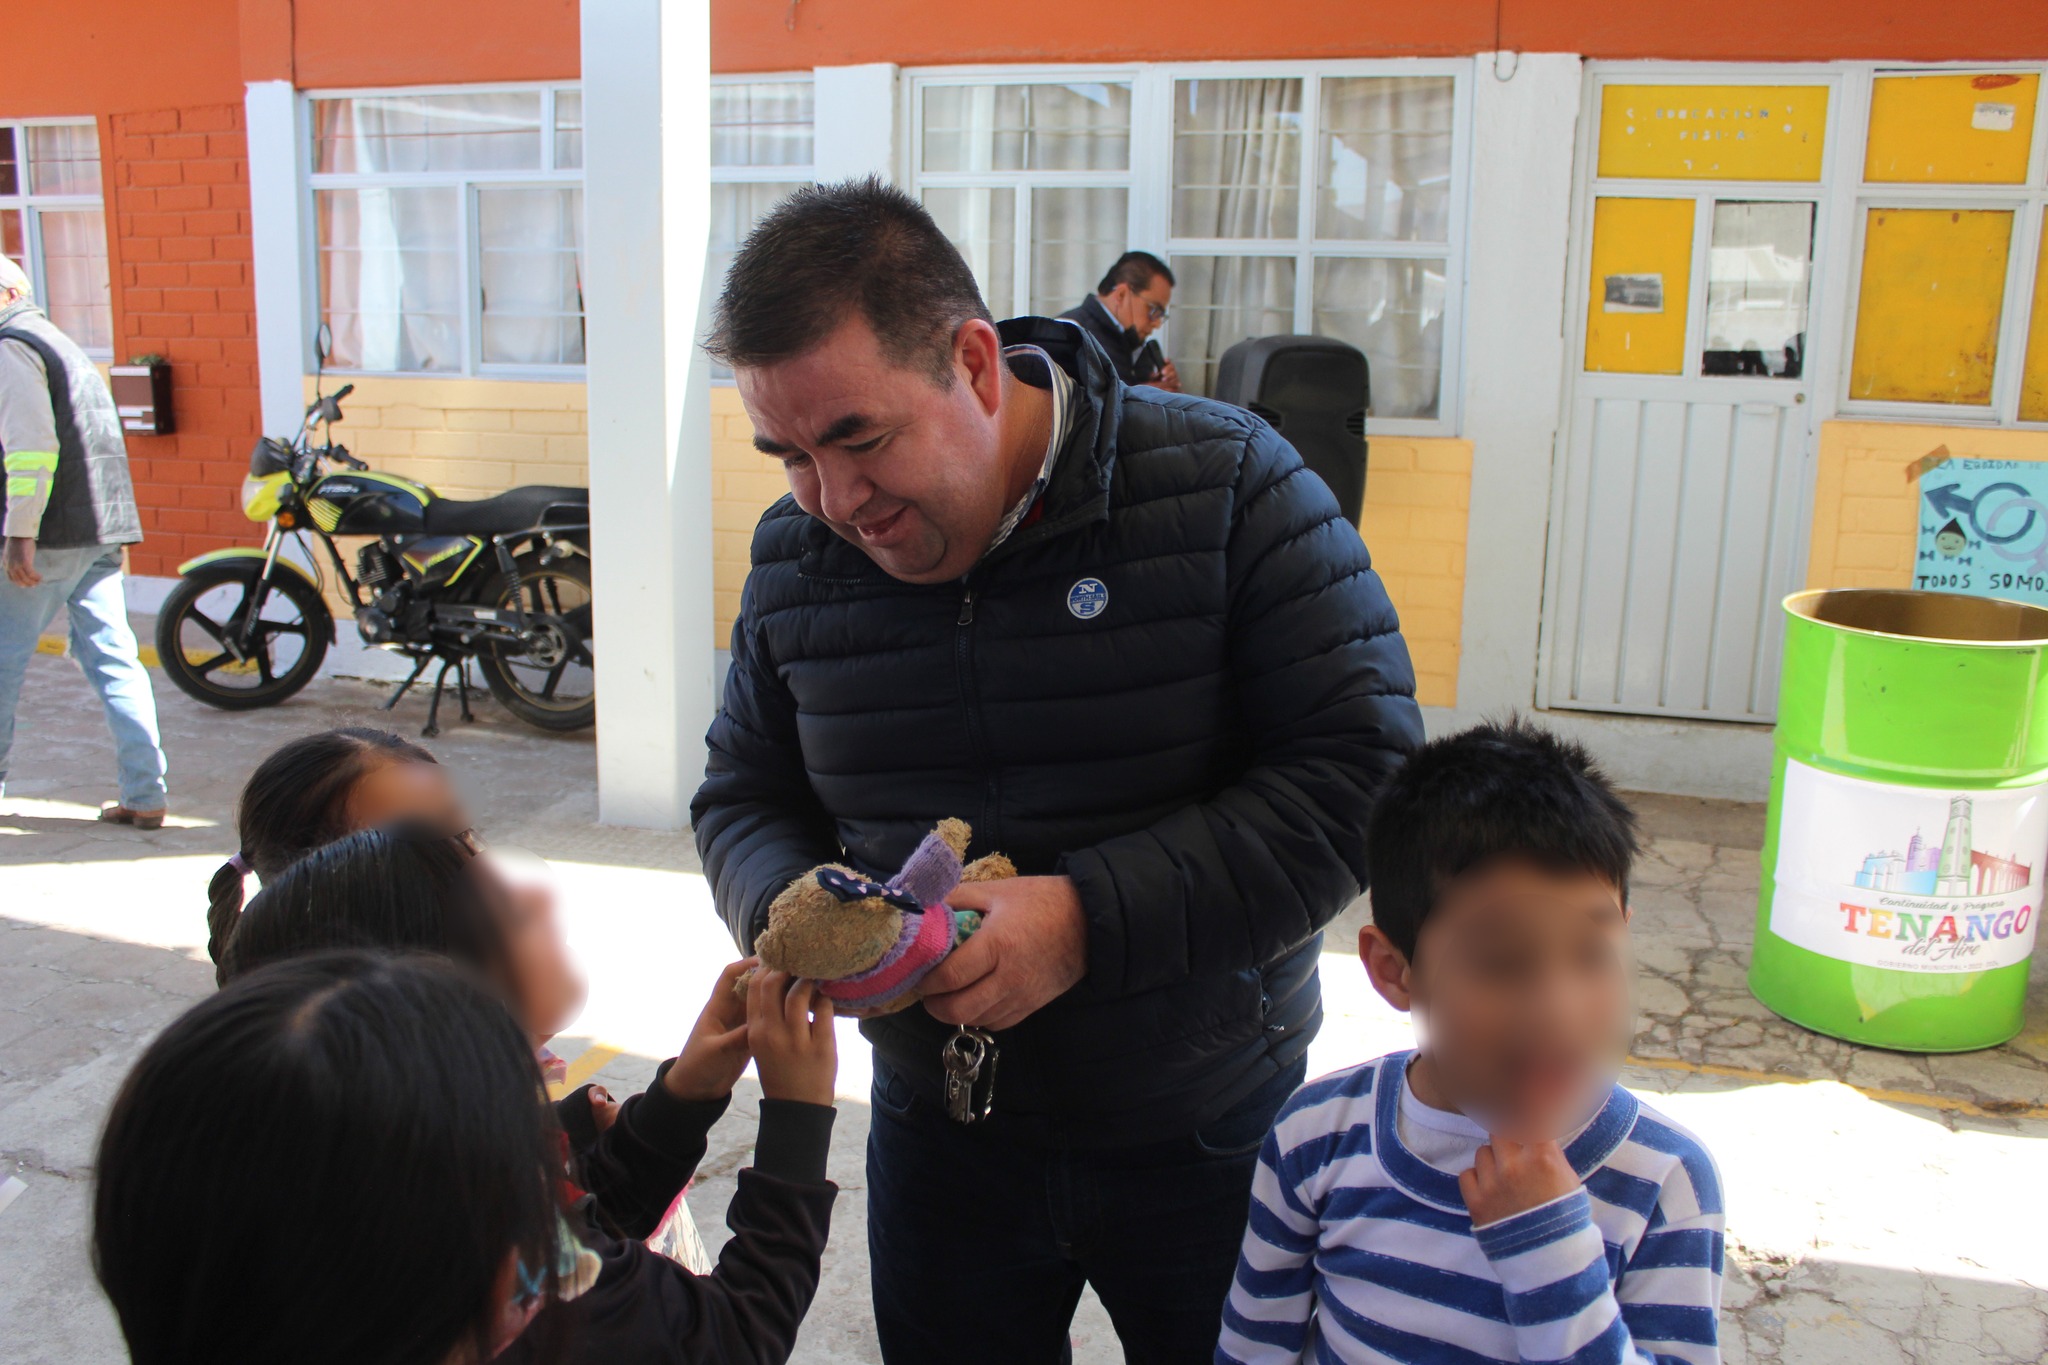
[[344, 391]]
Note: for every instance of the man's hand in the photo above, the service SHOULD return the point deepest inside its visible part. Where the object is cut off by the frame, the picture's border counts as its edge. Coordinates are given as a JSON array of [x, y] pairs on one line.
[[1031, 949], [1512, 1177], [21, 562], [1169, 378], [716, 1052], [795, 1049]]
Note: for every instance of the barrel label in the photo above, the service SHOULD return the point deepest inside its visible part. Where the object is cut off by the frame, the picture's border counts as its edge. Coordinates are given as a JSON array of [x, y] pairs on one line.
[[1916, 879]]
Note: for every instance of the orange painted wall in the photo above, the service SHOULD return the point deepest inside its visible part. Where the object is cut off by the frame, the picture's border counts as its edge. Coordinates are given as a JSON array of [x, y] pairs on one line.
[[434, 42], [771, 35], [109, 57]]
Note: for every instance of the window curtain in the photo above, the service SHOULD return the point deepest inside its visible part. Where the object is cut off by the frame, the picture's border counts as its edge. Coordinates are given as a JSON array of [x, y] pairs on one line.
[[531, 263], [390, 277], [391, 256], [1236, 176]]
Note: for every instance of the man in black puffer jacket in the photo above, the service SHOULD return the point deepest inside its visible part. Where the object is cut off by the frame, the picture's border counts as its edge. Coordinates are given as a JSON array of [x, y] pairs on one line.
[[1129, 637]]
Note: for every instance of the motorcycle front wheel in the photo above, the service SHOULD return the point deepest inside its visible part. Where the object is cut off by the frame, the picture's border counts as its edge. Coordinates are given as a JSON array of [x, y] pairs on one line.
[[215, 654], [547, 680]]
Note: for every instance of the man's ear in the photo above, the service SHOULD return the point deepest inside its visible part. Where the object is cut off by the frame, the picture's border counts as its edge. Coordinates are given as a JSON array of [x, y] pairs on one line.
[[978, 358], [1386, 966]]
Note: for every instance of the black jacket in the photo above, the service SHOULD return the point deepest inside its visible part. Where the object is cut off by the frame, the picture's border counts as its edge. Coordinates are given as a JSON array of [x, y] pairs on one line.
[[646, 1308], [635, 1168], [1117, 341], [1180, 687]]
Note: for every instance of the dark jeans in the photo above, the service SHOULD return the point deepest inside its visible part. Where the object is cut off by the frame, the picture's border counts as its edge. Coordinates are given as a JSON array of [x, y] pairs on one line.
[[980, 1244]]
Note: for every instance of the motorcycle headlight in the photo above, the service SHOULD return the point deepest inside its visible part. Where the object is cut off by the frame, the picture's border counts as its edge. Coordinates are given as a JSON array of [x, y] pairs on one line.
[[262, 495]]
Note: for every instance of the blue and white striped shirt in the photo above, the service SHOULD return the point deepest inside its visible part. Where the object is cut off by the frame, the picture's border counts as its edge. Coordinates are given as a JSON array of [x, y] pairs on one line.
[[1359, 1251]]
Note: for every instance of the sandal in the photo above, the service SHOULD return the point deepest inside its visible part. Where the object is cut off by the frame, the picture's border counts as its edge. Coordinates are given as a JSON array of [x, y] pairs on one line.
[[114, 813]]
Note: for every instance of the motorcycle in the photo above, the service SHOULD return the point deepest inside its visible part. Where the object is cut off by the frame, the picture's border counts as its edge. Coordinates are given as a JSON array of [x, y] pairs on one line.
[[503, 582]]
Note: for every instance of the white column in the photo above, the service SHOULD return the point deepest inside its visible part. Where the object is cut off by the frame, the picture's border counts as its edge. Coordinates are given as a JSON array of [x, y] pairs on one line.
[[276, 232], [1517, 249], [856, 121], [646, 212]]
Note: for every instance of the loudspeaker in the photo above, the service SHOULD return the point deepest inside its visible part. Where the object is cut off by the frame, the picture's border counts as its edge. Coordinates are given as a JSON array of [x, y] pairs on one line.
[[1314, 391]]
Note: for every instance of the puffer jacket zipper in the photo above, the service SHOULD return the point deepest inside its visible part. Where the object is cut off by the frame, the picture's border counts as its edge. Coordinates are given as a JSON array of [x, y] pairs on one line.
[[988, 825]]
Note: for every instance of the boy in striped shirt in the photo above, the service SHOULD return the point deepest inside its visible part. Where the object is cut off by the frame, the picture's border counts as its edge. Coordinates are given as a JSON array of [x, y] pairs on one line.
[[1493, 1195]]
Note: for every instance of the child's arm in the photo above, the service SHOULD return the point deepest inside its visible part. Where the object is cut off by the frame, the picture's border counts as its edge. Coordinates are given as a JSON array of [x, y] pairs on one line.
[[1535, 1223], [1266, 1319], [645, 1308], [638, 1164]]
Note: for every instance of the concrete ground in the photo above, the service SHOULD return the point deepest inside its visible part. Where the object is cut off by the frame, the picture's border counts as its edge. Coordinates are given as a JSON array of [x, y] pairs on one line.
[[1883, 1208]]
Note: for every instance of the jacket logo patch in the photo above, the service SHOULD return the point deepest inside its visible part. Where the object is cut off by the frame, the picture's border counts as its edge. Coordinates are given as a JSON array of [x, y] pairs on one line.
[[1087, 598]]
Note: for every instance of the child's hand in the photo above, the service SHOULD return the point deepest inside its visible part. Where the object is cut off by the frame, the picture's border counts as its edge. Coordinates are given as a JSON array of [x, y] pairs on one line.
[[604, 1110], [795, 1050], [1513, 1177], [716, 1052]]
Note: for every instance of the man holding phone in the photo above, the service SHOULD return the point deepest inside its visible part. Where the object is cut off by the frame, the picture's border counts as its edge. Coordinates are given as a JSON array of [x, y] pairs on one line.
[[1123, 313]]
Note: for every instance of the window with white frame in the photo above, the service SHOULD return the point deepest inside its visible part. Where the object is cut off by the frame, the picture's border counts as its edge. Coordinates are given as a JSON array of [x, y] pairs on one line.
[[1290, 198], [448, 229], [1031, 179], [761, 150], [53, 224], [1950, 295]]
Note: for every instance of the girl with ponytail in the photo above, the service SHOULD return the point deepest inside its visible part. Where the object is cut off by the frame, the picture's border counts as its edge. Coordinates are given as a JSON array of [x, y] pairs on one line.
[[313, 791]]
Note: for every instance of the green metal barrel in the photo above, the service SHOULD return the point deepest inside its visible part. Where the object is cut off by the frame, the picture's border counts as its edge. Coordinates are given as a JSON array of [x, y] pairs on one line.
[[1902, 869]]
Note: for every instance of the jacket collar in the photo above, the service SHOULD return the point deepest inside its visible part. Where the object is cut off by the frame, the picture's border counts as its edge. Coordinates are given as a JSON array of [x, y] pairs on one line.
[[1078, 492]]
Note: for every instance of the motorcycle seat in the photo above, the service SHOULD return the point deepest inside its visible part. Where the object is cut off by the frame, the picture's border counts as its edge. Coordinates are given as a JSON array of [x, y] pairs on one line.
[[516, 510]]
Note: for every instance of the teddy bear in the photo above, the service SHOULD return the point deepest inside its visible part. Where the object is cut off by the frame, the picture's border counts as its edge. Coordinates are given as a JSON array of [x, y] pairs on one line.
[[869, 944]]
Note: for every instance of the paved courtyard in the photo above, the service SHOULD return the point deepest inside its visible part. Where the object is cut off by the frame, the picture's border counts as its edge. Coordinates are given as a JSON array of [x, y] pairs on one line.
[[1883, 1208]]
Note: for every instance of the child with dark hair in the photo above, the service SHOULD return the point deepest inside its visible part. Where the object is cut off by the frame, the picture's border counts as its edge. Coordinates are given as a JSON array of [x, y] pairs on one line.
[[339, 1160], [316, 789], [230, 1223], [1493, 1194], [409, 888]]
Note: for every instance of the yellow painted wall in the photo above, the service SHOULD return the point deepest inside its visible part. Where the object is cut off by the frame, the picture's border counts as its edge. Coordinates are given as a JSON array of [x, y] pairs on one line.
[[1865, 510], [1417, 493], [1418, 498], [2034, 380], [1928, 308], [1951, 129], [1713, 132], [467, 438], [1639, 237], [744, 482]]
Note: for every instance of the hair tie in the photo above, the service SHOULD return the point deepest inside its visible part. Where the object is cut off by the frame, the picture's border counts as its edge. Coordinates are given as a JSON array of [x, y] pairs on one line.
[[238, 863]]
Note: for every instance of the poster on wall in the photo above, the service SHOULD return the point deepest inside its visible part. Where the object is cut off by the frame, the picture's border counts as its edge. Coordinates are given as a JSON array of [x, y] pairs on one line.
[[1914, 879], [1984, 529]]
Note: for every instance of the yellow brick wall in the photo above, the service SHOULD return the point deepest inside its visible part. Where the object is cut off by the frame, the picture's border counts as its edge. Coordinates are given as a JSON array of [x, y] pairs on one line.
[[1417, 493], [743, 484], [1417, 504], [1865, 510], [467, 438]]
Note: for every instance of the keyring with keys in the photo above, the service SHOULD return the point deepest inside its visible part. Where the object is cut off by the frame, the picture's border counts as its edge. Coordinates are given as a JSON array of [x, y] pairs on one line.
[[969, 1092]]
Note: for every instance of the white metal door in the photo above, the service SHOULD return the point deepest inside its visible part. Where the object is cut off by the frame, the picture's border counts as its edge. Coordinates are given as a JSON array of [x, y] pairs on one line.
[[1678, 506], [1677, 540]]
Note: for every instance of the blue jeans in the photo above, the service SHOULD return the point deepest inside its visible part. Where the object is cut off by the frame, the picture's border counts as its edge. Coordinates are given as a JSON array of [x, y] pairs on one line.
[[86, 582], [979, 1244]]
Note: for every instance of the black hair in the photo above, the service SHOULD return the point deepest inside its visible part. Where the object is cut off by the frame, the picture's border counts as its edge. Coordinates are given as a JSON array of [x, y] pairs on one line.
[[328, 1163], [295, 801], [402, 887], [1501, 790], [829, 252], [1136, 269]]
